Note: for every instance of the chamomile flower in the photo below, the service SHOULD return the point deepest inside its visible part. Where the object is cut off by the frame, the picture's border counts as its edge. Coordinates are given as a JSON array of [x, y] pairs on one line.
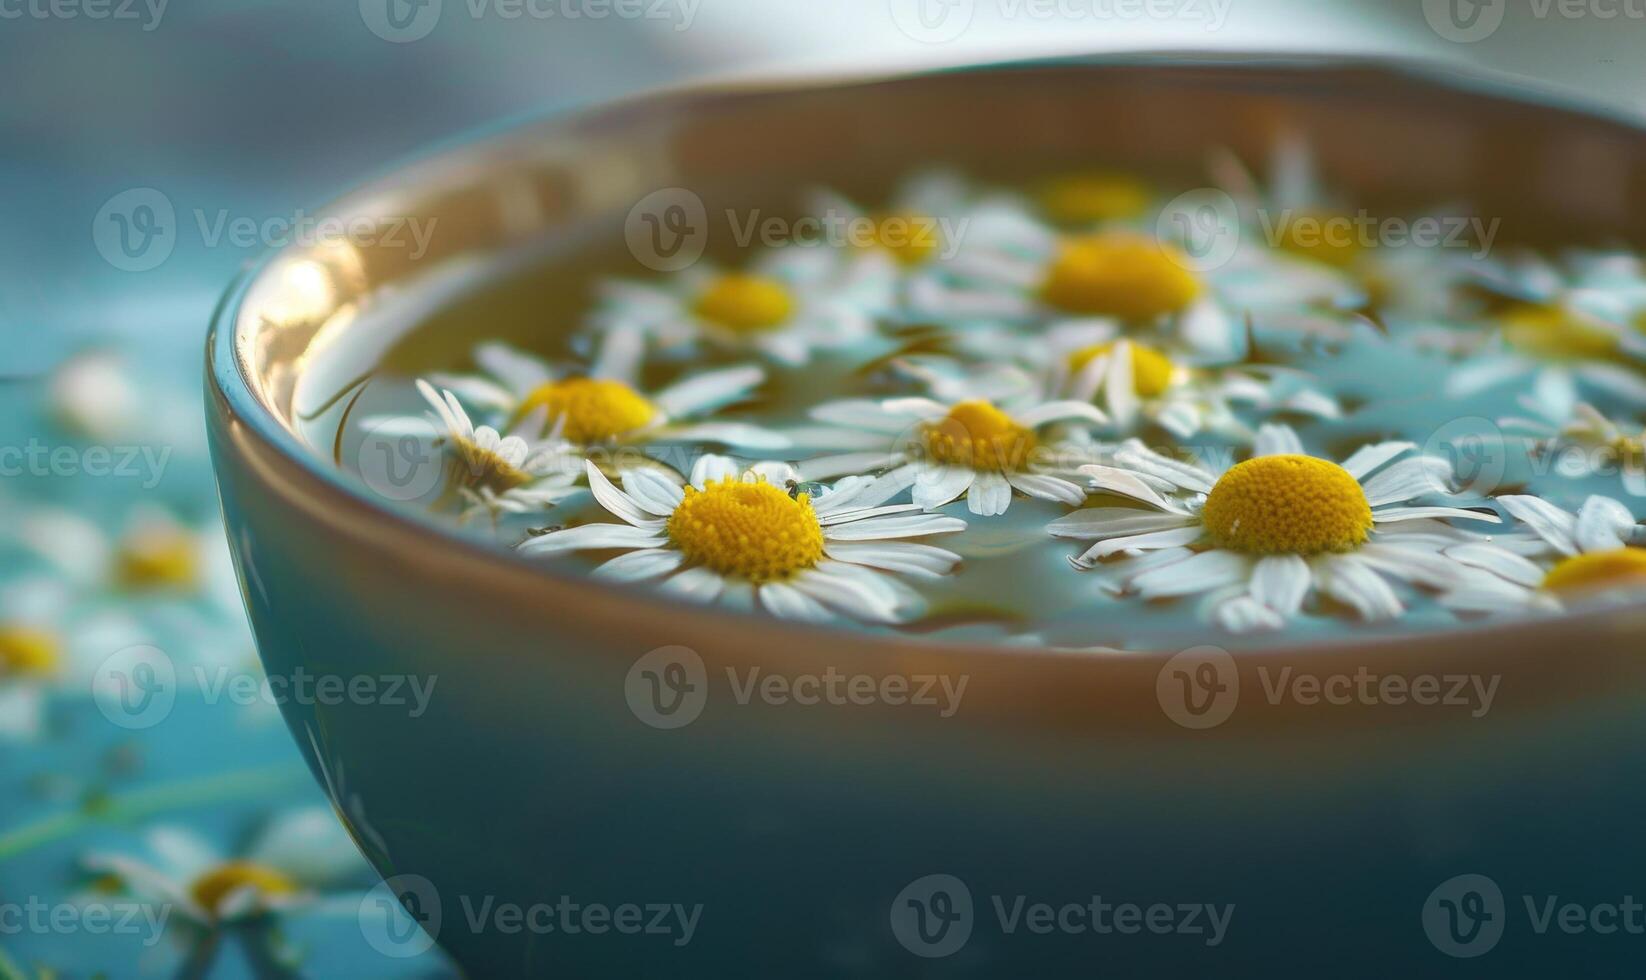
[[48, 646], [297, 862], [744, 537], [790, 302], [1587, 443], [496, 473], [968, 444], [1262, 535], [925, 219], [1567, 331], [606, 407], [1597, 549], [1136, 382]]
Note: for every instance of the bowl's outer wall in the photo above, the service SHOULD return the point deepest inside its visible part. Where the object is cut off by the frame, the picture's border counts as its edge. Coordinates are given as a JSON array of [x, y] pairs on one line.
[[530, 778]]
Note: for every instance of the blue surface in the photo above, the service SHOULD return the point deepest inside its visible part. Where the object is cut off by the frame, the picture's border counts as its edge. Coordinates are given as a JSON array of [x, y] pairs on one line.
[[244, 111]]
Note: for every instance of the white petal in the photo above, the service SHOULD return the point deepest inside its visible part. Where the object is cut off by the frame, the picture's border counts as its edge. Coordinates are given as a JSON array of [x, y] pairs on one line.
[[1408, 479], [890, 417], [1499, 561], [1280, 582], [1244, 614], [1275, 439], [618, 502], [786, 602], [520, 372], [1207, 570], [827, 467], [897, 556], [712, 389], [308, 844], [699, 584], [1053, 488], [886, 528], [935, 486], [651, 491], [637, 566], [1483, 373], [1369, 458], [1602, 524], [1149, 541], [1392, 514], [620, 354], [989, 495], [1056, 411], [1097, 523], [739, 434], [593, 536], [1356, 584], [1117, 481], [1545, 519], [711, 468], [476, 391]]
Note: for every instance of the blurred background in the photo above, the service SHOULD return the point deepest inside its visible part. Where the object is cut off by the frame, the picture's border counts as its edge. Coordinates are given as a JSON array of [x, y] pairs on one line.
[[151, 148]]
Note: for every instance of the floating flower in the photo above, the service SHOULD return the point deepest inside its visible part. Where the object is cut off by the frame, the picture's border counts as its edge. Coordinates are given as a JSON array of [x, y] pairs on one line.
[[1590, 552], [48, 646], [1135, 381], [790, 302], [1586, 443], [1568, 328], [494, 473], [969, 444], [748, 537], [606, 408], [1261, 535]]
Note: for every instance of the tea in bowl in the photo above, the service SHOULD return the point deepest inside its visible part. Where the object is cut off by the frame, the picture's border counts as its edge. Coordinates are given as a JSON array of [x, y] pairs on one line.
[[1160, 513]]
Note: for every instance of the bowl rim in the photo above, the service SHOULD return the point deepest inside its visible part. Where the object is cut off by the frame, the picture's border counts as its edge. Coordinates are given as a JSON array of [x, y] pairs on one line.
[[231, 393]]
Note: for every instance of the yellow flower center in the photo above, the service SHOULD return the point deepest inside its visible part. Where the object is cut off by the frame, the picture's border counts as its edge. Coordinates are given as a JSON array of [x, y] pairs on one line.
[[1275, 505], [1549, 332], [1118, 274], [752, 531], [910, 238], [1151, 370], [1584, 573], [158, 558], [746, 304], [485, 468], [1327, 237], [594, 409], [27, 652], [1081, 199], [219, 882], [978, 435]]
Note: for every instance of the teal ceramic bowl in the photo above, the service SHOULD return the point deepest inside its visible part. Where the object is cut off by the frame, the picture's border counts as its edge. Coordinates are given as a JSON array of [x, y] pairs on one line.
[[574, 803]]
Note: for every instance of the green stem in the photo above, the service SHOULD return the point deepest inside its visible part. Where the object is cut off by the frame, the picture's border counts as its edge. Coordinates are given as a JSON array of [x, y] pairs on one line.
[[148, 801]]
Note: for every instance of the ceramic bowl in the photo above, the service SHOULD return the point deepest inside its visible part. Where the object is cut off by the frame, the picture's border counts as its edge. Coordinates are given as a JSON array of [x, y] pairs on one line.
[[562, 761]]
